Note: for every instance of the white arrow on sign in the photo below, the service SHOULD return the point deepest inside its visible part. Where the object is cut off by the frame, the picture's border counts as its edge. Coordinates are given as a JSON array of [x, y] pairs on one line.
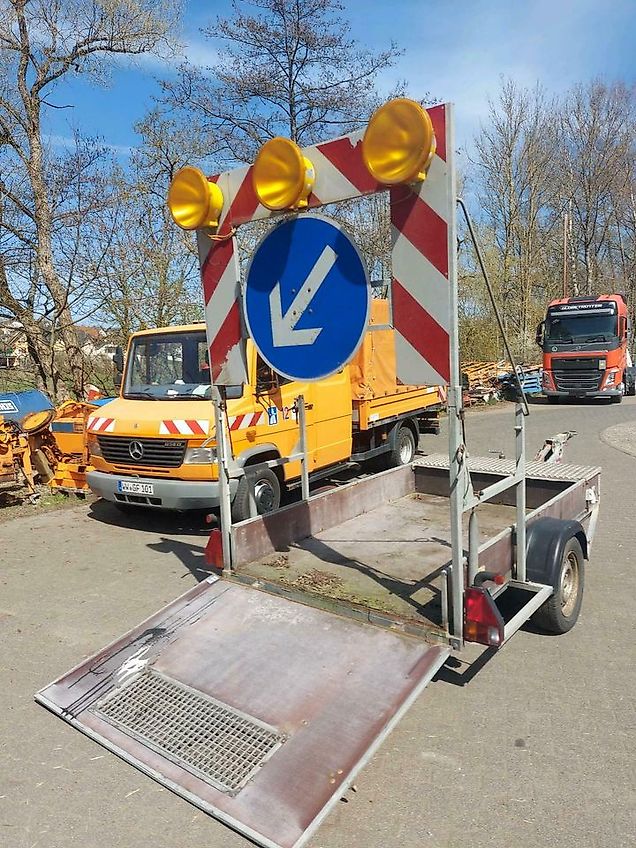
[[284, 332]]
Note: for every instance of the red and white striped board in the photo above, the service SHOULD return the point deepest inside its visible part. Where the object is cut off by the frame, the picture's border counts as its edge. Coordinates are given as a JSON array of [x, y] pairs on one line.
[[242, 422], [184, 427], [423, 254], [100, 425]]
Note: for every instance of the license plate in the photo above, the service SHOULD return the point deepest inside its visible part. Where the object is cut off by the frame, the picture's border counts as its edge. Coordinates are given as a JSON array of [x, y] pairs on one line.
[[132, 488]]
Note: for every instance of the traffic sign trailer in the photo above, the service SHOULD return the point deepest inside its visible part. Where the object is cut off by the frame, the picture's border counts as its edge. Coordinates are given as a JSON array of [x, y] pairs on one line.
[[258, 697]]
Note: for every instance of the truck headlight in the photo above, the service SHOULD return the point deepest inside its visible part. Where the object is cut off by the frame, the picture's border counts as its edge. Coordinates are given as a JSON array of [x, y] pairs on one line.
[[92, 443], [199, 456], [610, 380]]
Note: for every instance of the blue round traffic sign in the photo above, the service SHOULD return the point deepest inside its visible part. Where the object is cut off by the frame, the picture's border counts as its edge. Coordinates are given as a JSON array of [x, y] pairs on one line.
[[307, 298]]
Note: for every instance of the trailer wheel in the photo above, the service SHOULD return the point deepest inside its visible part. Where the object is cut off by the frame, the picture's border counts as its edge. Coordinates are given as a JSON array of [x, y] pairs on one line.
[[561, 611], [266, 492]]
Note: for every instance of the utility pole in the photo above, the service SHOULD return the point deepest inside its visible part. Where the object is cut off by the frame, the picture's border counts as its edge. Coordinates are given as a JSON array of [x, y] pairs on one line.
[[566, 224], [575, 284]]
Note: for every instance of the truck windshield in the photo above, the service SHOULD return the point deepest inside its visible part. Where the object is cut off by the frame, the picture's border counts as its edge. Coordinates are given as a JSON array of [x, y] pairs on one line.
[[580, 327], [168, 367]]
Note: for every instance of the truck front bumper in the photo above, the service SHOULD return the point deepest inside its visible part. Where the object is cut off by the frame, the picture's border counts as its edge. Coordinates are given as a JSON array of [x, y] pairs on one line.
[[166, 494], [580, 393]]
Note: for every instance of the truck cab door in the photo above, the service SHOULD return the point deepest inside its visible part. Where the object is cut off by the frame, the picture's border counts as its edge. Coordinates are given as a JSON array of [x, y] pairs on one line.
[[328, 416], [329, 402], [276, 395]]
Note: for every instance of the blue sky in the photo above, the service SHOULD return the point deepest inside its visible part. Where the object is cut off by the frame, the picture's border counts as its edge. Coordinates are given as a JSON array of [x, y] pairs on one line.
[[455, 49]]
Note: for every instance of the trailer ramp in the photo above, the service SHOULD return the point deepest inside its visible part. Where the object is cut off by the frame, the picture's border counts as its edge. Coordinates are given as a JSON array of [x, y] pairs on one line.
[[259, 710]]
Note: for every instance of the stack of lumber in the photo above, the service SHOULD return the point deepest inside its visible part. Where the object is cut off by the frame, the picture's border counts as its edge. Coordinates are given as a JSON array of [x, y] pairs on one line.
[[484, 382]]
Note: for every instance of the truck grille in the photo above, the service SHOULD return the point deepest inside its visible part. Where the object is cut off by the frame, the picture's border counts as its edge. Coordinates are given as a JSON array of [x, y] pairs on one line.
[[161, 453], [577, 373]]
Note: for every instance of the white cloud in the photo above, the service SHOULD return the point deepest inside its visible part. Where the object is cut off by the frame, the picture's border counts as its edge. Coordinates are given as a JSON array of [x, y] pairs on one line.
[[193, 49]]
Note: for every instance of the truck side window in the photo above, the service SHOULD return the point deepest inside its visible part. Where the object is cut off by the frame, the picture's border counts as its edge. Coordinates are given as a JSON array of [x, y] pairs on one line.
[[266, 378]]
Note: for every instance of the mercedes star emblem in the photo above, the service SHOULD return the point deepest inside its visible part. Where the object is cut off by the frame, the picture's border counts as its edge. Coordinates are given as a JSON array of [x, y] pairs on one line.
[[136, 450]]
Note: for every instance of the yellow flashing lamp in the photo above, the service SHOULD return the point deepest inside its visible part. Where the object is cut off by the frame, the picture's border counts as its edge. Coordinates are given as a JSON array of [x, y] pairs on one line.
[[399, 142], [282, 177], [193, 200]]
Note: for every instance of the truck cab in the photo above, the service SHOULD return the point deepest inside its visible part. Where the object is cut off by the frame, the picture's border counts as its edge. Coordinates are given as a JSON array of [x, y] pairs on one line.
[[585, 348]]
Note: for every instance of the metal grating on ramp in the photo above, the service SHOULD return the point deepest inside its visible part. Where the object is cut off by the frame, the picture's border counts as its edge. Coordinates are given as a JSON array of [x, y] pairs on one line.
[[506, 467], [213, 741]]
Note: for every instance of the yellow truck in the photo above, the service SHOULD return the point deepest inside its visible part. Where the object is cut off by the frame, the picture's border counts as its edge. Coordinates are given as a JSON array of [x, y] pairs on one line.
[[155, 444]]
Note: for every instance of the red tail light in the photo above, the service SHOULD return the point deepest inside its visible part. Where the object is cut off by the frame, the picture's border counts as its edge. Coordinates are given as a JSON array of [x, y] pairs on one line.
[[482, 620]]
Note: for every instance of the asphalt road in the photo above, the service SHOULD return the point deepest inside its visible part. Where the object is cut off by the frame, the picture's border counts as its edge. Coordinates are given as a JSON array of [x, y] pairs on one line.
[[537, 748]]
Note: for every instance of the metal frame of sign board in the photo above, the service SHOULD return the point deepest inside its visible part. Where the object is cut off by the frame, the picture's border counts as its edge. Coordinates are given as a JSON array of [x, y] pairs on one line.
[[423, 293]]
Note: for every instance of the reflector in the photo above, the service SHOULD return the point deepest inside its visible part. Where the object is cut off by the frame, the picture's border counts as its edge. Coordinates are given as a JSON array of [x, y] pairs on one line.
[[193, 200], [282, 177], [399, 142]]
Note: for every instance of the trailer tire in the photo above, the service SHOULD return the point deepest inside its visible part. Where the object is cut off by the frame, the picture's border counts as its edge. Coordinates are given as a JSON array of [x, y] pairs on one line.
[[561, 611], [267, 491]]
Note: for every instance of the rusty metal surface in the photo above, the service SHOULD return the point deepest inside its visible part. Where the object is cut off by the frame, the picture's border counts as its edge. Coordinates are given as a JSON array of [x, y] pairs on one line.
[[267, 534], [332, 686], [386, 561], [506, 467]]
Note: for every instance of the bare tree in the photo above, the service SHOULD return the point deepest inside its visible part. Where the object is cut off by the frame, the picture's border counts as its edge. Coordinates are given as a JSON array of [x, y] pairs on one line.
[[597, 124], [287, 67], [150, 276], [518, 184], [41, 42]]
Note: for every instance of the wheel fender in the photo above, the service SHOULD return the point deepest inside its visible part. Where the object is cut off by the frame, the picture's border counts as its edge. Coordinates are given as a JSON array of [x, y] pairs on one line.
[[546, 539], [249, 455]]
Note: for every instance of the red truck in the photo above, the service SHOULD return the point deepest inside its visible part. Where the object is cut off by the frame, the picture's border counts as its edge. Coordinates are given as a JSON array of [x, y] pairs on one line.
[[585, 343]]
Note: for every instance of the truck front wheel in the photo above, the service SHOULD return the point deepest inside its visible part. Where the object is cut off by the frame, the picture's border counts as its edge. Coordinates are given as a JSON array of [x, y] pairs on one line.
[[266, 494], [561, 611]]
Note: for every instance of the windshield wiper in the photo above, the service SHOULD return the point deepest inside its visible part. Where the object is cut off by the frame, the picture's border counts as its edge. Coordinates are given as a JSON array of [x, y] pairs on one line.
[[182, 395], [141, 396]]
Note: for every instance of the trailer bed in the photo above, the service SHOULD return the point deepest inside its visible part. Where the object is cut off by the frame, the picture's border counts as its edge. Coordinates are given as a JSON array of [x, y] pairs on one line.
[[377, 549], [387, 560]]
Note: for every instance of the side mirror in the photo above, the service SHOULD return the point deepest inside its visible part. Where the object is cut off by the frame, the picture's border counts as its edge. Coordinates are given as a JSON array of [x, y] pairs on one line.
[[118, 359], [118, 366], [539, 336]]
